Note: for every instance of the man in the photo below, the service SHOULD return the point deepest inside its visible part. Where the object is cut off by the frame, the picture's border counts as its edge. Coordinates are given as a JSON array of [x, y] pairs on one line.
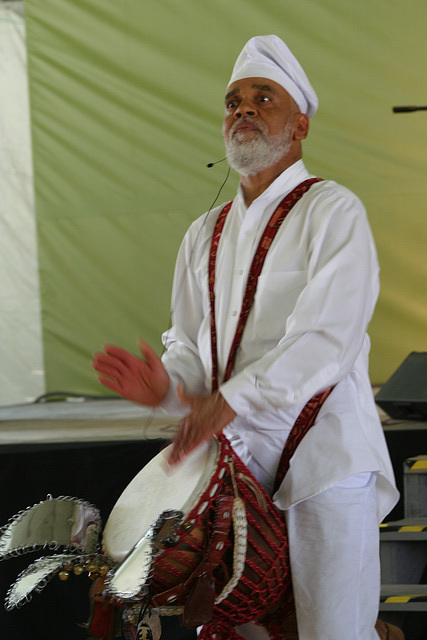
[[305, 333]]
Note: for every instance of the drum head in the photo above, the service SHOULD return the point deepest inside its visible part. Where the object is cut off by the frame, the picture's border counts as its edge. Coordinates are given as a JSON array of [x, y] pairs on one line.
[[157, 488]]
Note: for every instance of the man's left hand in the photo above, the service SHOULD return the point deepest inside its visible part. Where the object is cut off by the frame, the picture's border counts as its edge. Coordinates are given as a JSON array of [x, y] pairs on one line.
[[208, 416]]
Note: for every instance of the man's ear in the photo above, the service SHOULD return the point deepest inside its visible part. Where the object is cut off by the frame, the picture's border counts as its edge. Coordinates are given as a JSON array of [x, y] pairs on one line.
[[302, 124]]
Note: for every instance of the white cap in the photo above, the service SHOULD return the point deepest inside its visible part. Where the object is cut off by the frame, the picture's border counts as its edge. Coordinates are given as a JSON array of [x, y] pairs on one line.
[[269, 57]]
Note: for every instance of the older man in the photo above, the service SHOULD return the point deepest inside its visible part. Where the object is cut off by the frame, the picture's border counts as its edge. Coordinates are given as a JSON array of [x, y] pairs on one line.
[[305, 333]]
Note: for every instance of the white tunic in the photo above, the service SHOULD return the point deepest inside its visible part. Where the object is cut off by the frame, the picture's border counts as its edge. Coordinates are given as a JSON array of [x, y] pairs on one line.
[[306, 331]]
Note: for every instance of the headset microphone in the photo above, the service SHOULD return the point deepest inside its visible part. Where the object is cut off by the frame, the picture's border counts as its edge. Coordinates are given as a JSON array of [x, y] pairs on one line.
[[211, 164]]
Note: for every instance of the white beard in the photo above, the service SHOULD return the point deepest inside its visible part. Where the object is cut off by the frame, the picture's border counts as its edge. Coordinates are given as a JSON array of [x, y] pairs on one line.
[[249, 157]]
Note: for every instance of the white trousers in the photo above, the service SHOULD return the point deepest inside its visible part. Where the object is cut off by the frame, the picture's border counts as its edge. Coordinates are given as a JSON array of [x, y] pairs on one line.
[[334, 554]]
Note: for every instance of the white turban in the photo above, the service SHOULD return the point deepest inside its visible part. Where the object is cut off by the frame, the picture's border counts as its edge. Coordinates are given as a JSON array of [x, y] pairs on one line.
[[269, 57]]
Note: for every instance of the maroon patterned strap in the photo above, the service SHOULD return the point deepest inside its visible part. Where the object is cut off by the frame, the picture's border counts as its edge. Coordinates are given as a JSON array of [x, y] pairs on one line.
[[212, 269], [302, 424], [267, 238], [310, 411]]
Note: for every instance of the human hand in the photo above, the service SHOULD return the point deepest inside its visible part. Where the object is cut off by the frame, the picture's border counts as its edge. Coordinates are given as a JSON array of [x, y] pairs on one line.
[[143, 380], [208, 416]]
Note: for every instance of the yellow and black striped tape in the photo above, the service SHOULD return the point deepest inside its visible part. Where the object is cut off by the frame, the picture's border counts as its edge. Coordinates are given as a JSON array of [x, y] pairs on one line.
[[403, 599], [403, 528], [415, 465]]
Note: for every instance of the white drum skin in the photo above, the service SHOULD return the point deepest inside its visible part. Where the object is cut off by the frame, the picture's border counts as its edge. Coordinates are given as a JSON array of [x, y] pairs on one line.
[[157, 488]]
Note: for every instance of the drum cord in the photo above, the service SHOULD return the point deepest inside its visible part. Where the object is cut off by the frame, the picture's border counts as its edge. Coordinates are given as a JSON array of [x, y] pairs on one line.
[[132, 622], [255, 488], [240, 527]]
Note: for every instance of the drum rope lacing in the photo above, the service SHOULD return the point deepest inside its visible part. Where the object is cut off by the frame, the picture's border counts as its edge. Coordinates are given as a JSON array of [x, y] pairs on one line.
[[266, 567], [240, 527]]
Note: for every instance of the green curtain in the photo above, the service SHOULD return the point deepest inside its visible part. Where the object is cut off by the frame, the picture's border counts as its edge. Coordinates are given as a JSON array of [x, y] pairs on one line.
[[126, 111]]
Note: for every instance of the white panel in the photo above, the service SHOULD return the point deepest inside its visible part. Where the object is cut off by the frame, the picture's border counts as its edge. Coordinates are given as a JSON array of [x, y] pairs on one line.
[[21, 357]]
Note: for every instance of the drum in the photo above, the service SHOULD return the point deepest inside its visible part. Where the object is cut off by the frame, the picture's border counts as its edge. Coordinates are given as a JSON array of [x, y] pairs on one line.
[[203, 540]]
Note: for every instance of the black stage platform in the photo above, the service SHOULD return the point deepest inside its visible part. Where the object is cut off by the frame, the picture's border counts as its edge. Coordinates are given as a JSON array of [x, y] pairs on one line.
[[87, 450], [92, 451]]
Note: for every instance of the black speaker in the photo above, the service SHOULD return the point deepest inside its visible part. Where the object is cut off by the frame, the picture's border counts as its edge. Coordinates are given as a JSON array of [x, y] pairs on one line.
[[404, 395]]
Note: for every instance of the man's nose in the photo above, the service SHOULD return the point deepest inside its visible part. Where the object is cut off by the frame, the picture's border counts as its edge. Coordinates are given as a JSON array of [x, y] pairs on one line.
[[245, 108]]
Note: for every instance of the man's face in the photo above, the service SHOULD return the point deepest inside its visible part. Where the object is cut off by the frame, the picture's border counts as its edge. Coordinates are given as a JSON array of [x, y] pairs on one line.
[[258, 124]]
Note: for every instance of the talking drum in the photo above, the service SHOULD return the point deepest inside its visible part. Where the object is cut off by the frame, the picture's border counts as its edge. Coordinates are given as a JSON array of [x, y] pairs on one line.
[[202, 540]]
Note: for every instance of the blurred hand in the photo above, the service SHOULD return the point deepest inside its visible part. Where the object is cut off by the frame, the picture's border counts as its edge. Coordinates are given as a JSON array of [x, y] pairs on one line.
[[97, 592], [208, 416], [143, 380]]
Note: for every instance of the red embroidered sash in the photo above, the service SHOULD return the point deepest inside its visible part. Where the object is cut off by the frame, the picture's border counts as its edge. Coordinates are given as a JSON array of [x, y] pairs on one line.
[[308, 415], [264, 244], [302, 424]]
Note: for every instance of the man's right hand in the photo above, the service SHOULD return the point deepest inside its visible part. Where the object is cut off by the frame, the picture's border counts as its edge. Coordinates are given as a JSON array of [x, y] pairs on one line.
[[143, 380]]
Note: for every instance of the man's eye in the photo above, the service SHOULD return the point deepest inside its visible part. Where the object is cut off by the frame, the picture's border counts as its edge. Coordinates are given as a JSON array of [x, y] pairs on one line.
[[264, 99], [231, 105]]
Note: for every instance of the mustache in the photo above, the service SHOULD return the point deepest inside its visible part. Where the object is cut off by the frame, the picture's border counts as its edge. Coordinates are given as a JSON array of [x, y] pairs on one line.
[[246, 120]]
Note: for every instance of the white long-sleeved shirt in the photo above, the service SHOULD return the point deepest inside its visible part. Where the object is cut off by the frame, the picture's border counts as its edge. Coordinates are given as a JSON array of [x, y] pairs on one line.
[[306, 331]]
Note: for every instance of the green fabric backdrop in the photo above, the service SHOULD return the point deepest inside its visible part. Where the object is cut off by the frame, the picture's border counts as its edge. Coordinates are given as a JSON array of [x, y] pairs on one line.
[[126, 110]]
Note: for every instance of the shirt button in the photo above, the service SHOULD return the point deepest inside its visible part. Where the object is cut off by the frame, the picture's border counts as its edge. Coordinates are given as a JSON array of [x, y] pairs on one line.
[[240, 272], [248, 434], [234, 313]]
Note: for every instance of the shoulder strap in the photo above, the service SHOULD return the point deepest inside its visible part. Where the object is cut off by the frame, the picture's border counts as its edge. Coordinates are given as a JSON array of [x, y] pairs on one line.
[[264, 244]]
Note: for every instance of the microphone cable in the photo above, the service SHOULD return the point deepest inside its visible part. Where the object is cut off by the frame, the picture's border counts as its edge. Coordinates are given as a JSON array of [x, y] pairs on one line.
[[180, 286]]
